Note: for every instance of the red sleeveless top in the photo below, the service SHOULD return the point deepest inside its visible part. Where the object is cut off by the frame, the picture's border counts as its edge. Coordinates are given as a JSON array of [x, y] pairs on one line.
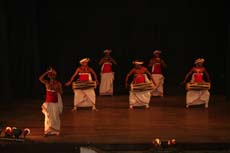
[[198, 77], [139, 78], [51, 96], [84, 77], [107, 68], [157, 69]]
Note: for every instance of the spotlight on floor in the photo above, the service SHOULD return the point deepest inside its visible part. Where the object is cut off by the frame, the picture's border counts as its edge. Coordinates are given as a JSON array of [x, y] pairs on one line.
[[8, 132], [172, 142], [26, 132], [157, 142]]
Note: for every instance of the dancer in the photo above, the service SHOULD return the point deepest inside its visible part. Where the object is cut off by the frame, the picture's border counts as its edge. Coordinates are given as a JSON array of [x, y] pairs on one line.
[[140, 97], [84, 97], [107, 74], [52, 107], [197, 97], [157, 64]]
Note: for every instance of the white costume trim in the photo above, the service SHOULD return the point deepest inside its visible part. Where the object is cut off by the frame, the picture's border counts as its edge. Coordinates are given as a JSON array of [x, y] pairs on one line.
[[52, 113], [141, 98], [106, 85], [159, 80], [86, 97], [197, 97]]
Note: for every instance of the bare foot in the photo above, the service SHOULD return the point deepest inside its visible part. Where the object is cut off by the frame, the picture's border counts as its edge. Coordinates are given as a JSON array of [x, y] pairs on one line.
[[52, 134], [74, 109], [94, 109], [58, 134]]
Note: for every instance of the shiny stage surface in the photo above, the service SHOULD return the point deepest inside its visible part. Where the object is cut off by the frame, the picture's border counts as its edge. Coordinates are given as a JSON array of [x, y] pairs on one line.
[[114, 123]]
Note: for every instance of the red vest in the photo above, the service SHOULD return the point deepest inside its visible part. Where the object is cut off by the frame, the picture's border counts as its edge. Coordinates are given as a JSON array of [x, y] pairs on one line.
[[139, 78], [51, 96], [198, 77], [84, 77], [107, 68], [157, 69]]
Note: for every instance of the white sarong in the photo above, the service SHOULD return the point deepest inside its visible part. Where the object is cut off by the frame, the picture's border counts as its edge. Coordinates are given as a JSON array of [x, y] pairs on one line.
[[141, 98], [158, 88], [106, 85], [52, 112], [197, 97], [84, 97], [194, 97]]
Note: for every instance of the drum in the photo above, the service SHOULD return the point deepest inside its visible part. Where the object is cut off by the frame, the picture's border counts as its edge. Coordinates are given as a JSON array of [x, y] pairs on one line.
[[84, 85], [198, 86], [138, 87]]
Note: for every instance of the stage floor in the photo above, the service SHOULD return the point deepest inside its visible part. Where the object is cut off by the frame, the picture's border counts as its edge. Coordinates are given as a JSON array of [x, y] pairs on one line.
[[114, 123]]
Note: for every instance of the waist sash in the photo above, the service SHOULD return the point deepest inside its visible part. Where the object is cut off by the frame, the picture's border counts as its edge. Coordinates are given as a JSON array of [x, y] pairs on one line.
[[51, 96]]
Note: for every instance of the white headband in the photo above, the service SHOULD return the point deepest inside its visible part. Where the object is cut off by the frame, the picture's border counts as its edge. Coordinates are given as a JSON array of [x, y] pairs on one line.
[[107, 51], [138, 62], [84, 60], [199, 60], [157, 52]]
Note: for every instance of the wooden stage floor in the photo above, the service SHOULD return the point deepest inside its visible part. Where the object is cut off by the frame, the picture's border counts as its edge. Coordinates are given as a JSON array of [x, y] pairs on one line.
[[114, 123]]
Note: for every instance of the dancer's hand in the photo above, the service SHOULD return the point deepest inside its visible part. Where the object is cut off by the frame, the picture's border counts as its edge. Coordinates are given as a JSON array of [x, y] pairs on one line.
[[68, 83]]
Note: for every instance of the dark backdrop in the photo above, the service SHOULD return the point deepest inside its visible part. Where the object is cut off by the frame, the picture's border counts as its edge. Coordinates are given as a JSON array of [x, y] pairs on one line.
[[36, 34]]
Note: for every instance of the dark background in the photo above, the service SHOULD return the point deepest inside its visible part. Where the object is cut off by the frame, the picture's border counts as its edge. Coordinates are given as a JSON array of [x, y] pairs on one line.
[[35, 34]]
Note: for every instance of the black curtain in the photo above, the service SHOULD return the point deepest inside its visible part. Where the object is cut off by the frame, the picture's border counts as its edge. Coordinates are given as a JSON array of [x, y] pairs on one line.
[[36, 34], [227, 20], [227, 90], [20, 53], [4, 62]]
